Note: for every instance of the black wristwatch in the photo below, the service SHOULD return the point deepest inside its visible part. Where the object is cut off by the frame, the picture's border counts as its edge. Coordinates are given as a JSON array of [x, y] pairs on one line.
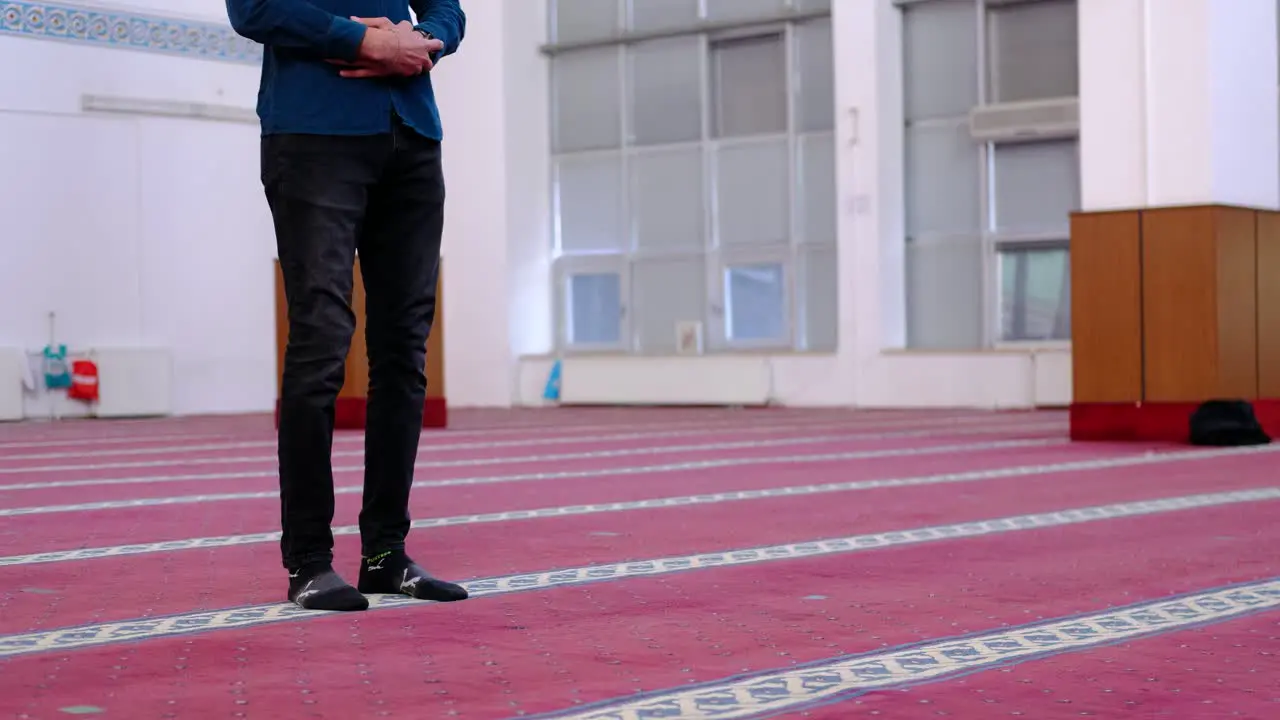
[[428, 36]]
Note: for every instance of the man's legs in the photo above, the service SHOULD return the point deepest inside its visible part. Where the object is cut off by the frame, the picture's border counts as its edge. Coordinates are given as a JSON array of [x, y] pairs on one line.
[[400, 261], [317, 188]]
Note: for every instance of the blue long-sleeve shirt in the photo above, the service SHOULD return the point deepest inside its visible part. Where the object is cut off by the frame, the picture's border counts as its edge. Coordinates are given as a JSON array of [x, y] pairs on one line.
[[301, 93]]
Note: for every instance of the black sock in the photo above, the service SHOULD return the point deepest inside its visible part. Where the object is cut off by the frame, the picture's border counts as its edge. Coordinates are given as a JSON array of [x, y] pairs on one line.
[[393, 572], [318, 587]]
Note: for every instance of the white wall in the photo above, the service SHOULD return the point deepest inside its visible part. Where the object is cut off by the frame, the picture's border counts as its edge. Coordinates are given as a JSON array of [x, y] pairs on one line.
[[137, 231], [155, 231], [1179, 104], [493, 100]]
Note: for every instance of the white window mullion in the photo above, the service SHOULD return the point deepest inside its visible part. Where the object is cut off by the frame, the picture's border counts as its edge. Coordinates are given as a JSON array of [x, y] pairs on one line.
[[713, 309]]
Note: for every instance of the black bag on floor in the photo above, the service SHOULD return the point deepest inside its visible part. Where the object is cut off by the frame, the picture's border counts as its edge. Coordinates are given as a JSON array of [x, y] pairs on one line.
[[1226, 423]]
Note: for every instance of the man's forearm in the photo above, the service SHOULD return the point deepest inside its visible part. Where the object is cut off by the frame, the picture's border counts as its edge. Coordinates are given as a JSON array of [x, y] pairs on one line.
[[296, 24], [445, 21]]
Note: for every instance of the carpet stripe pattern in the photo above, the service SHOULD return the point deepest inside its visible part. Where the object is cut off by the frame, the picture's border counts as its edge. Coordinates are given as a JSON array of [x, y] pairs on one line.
[[636, 564]]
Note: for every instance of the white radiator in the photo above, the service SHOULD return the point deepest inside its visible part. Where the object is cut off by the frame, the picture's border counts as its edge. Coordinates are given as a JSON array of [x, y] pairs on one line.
[[666, 381], [1052, 378], [132, 382]]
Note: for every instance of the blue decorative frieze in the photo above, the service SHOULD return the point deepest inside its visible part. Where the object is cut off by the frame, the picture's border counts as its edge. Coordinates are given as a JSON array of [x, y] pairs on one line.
[[127, 30]]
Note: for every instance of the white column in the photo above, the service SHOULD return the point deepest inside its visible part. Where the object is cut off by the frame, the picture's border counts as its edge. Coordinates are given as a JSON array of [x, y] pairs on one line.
[[1179, 103], [470, 89]]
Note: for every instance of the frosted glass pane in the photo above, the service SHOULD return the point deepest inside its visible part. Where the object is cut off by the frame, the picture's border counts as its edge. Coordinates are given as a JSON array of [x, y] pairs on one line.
[[664, 293], [666, 91], [589, 195], [815, 65], [585, 19], [1035, 294], [744, 9], [667, 206], [943, 189], [944, 294], [755, 303], [940, 65], [819, 293], [1037, 185], [817, 191], [752, 199], [649, 15], [749, 84], [588, 99], [595, 309], [1033, 50]]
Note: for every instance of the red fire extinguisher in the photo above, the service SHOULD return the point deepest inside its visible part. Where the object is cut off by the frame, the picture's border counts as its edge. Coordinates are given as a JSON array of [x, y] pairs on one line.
[[84, 381]]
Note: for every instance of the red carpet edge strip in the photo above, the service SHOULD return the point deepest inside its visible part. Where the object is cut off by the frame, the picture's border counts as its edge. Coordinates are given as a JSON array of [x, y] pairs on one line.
[[799, 688], [141, 629], [596, 508]]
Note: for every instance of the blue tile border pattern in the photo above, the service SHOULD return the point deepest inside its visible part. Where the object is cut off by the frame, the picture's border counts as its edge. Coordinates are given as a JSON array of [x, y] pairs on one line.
[[127, 30]]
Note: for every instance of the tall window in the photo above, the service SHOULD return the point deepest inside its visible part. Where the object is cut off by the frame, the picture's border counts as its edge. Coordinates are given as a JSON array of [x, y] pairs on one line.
[[693, 175], [992, 169]]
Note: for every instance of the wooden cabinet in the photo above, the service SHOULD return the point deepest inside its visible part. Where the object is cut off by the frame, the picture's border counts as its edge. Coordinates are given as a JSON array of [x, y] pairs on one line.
[[350, 412], [1171, 307]]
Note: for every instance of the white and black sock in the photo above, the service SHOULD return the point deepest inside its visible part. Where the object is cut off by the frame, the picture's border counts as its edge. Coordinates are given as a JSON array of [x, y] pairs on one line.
[[318, 587], [394, 573]]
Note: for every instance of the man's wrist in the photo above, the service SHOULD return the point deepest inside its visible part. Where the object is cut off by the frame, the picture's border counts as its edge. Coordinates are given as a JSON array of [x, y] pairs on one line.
[[346, 39], [429, 37]]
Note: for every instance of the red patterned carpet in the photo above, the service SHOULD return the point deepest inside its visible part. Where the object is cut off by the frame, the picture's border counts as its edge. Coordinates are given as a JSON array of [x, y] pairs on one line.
[[644, 564]]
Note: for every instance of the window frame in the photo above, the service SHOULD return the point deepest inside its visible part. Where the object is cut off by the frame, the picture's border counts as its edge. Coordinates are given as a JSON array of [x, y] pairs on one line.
[[990, 72], [1001, 242], [564, 268], [636, 346], [994, 242], [717, 260], [718, 335], [1009, 244], [557, 219], [712, 42], [801, 329]]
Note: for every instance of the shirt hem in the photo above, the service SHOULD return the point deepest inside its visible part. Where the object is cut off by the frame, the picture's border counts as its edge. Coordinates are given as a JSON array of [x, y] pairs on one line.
[[349, 131]]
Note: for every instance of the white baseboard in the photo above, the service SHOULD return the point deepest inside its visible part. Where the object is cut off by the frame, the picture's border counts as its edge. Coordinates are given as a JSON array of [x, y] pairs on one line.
[[1053, 382], [135, 382], [1004, 378], [666, 381]]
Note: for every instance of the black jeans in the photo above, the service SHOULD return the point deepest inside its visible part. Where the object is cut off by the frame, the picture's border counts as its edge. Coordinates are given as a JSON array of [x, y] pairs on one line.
[[331, 197]]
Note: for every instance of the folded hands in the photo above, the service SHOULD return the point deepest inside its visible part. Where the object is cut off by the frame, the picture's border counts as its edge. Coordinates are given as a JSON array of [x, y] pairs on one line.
[[391, 50]]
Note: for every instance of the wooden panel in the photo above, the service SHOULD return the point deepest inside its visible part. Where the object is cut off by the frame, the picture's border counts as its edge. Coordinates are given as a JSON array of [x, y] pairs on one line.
[[355, 381], [435, 344], [282, 328], [1199, 317], [1106, 307], [1268, 280], [356, 378], [1179, 303], [1236, 234]]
